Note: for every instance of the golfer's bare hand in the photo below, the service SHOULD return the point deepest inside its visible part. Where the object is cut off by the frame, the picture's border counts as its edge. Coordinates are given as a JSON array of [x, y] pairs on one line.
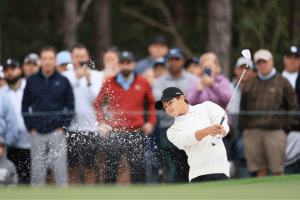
[[219, 130], [147, 129], [211, 130]]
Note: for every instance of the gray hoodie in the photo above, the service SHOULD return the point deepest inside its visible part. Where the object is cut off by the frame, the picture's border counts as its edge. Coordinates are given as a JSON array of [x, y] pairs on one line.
[[8, 172]]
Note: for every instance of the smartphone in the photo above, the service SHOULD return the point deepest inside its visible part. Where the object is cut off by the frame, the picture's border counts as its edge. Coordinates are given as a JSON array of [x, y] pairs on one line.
[[207, 71]]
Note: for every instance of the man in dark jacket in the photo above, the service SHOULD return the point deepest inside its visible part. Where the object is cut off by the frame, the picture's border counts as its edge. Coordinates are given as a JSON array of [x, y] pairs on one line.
[[8, 172], [48, 107]]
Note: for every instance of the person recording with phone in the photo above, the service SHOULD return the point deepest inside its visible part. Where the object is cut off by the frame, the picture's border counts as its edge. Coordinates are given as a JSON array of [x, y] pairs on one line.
[[213, 87]]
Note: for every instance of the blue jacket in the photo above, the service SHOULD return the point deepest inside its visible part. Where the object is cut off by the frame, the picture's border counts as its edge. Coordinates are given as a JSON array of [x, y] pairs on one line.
[[48, 103], [8, 120]]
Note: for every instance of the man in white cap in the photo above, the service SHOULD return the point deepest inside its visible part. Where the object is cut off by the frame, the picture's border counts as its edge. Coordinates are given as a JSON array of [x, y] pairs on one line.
[[291, 60], [234, 110], [31, 65], [264, 137]]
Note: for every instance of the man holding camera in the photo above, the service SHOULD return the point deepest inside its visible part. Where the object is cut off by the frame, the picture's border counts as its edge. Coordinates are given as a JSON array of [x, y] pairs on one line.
[[82, 134]]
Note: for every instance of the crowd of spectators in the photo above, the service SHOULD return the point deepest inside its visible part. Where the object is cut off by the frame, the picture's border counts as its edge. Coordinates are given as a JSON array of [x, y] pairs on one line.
[[60, 117]]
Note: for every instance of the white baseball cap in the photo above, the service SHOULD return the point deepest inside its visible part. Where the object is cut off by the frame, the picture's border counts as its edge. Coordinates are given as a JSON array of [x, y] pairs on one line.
[[262, 54], [243, 61]]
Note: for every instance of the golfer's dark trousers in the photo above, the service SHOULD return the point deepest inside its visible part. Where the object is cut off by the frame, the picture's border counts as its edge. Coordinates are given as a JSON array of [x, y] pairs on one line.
[[133, 143], [209, 177]]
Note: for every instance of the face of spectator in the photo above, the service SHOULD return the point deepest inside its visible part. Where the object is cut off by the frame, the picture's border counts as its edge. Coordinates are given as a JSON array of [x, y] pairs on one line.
[[48, 62], [62, 68], [1, 150], [194, 68], [174, 107], [160, 70], [110, 59], [210, 61], [249, 73], [175, 65], [157, 50], [30, 68], [291, 63], [12, 74], [126, 67], [264, 67], [79, 55]]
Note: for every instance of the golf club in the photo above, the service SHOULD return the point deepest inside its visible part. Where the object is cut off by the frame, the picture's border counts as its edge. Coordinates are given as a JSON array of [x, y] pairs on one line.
[[246, 53]]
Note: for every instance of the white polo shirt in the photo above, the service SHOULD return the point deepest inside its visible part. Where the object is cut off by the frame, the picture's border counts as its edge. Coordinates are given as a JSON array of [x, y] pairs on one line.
[[203, 158]]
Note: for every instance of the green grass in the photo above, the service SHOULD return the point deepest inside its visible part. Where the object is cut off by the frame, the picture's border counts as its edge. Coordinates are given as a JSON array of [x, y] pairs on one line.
[[285, 187]]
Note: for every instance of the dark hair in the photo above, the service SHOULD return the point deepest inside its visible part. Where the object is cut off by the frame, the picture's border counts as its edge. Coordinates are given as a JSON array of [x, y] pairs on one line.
[[111, 49], [185, 100], [48, 48], [79, 46]]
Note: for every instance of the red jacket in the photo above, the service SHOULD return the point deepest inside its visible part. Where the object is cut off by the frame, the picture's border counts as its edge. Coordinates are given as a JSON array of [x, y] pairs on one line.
[[125, 109]]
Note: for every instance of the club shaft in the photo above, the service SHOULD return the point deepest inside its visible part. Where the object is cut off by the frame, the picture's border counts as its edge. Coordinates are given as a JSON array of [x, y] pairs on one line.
[[214, 140]]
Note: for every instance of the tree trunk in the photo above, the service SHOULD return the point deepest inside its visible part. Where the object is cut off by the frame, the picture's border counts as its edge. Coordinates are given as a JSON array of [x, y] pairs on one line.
[[70, 27], [102, 25], [219, 32], [294, 22]]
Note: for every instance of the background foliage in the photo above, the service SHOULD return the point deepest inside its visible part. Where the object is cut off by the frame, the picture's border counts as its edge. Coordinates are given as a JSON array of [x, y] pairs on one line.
[[28, 25]]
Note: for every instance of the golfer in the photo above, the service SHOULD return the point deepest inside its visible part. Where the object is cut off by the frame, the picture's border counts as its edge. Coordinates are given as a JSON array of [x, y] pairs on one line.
[[193, 130]]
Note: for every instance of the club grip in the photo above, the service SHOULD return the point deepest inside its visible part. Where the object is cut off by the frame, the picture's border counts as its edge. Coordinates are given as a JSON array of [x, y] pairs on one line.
[[215, 139]]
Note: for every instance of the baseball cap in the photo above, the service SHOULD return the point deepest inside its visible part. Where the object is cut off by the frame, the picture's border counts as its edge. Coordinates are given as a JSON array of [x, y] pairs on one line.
[[168, 94], [175, 52], [262, 54], [159, 39], [1, 72], [126, 55], [32, 58], [292, 50], [160, 60], [63, 57], [190, 60], [243, 61], [10, 62]]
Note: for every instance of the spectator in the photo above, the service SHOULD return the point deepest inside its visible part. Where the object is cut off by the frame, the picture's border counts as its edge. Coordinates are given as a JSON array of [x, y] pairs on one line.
[[207, 162], [63, 59], [8, 120], [176, 160], [2, 80], [124, 125], [157, 48], [8, 172], [19, 153], [111, 62], [160, 68], [234, 109], [292, 152], [263, 135], [83, 131], [291, 60], [192, 66], [48, 106], [31, 65]]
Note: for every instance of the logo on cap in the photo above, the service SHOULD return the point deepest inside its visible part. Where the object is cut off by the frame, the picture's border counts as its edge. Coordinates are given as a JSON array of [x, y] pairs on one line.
[[293, 49], [172, 51], [8, 61], [125, 54]]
